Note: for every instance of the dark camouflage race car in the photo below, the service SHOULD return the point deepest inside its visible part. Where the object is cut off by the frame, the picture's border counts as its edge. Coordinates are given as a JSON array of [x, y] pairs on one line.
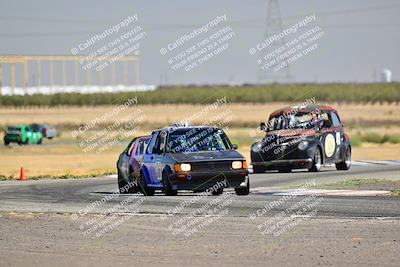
[[302, 137]]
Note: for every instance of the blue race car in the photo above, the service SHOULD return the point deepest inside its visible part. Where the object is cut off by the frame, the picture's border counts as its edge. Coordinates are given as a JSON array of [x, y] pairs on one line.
[[196, 158]]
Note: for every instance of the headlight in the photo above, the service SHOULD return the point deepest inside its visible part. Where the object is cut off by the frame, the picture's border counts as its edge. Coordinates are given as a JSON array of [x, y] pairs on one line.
[[256, 147], [239, 164], [183, 167], [236, 164], [303, 145]]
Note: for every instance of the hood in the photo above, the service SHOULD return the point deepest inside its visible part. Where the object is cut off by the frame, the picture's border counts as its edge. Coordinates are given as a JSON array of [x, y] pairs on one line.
[[206, 156], [292, 133]]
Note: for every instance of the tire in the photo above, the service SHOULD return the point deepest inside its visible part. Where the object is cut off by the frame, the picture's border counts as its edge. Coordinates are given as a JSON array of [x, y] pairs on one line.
[[147, 191], [40, 141], [317, 161], [6, 143], [346, 163], [217, 192], [167, 185], [121, 183], [132, 178], [258, 169], [243, 191]]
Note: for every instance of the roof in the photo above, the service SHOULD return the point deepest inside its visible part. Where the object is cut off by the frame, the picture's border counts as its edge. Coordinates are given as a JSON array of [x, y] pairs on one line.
[[173, 128], [301, 109]]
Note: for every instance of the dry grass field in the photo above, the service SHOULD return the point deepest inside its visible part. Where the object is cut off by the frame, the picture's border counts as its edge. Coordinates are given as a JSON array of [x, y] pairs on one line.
[[64, 155], [249, 115]]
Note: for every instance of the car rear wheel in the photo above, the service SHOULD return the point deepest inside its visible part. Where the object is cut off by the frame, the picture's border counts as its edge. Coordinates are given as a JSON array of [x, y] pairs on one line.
[[121, 183], [146, 190], [346, 163], [317, 161], [243, 191], [258, 169], [134, 182], [167, 185]]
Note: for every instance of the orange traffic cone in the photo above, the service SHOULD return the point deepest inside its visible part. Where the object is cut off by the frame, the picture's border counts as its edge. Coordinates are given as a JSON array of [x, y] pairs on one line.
[[22, 174]]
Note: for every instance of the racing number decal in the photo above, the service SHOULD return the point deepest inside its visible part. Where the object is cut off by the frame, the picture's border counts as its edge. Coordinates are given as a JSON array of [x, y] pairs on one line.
[[330, 145]]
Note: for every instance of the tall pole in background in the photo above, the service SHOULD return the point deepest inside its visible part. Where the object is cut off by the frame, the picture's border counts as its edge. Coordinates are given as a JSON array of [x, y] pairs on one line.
[[125, 73], [1, 82], [112, 74], [76, 78], [38, 74], [64, 75], [273, 25], [26, 77], [12, 78], [51, 74], [137, 72]]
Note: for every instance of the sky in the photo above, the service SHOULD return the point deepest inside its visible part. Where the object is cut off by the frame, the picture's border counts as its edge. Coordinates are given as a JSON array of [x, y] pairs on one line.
[[360, 37]]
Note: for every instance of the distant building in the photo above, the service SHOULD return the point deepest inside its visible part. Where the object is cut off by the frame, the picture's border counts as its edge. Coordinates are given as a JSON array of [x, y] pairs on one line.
[[386, 76]]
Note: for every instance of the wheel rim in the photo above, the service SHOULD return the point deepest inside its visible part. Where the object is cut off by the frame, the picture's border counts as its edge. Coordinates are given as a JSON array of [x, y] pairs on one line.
[[317, 159], [348, 158]]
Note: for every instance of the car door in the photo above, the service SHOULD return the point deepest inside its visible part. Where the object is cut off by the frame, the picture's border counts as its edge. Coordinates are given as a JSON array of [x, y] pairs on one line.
[[149, 157], [136, 158], [329, 138], [339, 132], [123, 160], [30, 138], [158, 154]]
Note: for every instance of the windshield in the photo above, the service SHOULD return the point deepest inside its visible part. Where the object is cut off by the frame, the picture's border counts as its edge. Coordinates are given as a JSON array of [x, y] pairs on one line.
[[13, 129], [197, 139], [297, 121]]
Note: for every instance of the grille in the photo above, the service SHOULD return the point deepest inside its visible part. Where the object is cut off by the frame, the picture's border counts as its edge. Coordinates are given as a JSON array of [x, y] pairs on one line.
[[211, 166]]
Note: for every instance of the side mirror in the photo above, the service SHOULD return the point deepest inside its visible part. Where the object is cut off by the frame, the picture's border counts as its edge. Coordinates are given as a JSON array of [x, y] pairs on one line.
[[263, 127], [234, 146]]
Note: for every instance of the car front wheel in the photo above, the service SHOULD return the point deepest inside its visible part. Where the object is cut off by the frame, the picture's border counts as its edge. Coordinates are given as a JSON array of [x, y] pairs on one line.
[[243, 191], [146, 190], [317, 161], [167, 185]]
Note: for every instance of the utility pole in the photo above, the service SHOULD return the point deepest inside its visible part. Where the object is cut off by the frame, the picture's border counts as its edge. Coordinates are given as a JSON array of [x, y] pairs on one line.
[[274, 25]]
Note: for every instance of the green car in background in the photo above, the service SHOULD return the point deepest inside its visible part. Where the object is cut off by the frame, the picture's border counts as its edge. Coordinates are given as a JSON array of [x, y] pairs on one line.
[[22, 134]]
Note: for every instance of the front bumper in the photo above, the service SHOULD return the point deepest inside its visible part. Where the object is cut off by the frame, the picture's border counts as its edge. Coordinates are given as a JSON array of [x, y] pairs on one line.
[[285, 164], [204, 180], [12, 139]]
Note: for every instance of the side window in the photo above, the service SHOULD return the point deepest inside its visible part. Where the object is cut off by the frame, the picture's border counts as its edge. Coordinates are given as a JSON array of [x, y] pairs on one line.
[[159, 146], [141, 147], [327, 121], [335, 119], [130, 147], [152, 142]]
